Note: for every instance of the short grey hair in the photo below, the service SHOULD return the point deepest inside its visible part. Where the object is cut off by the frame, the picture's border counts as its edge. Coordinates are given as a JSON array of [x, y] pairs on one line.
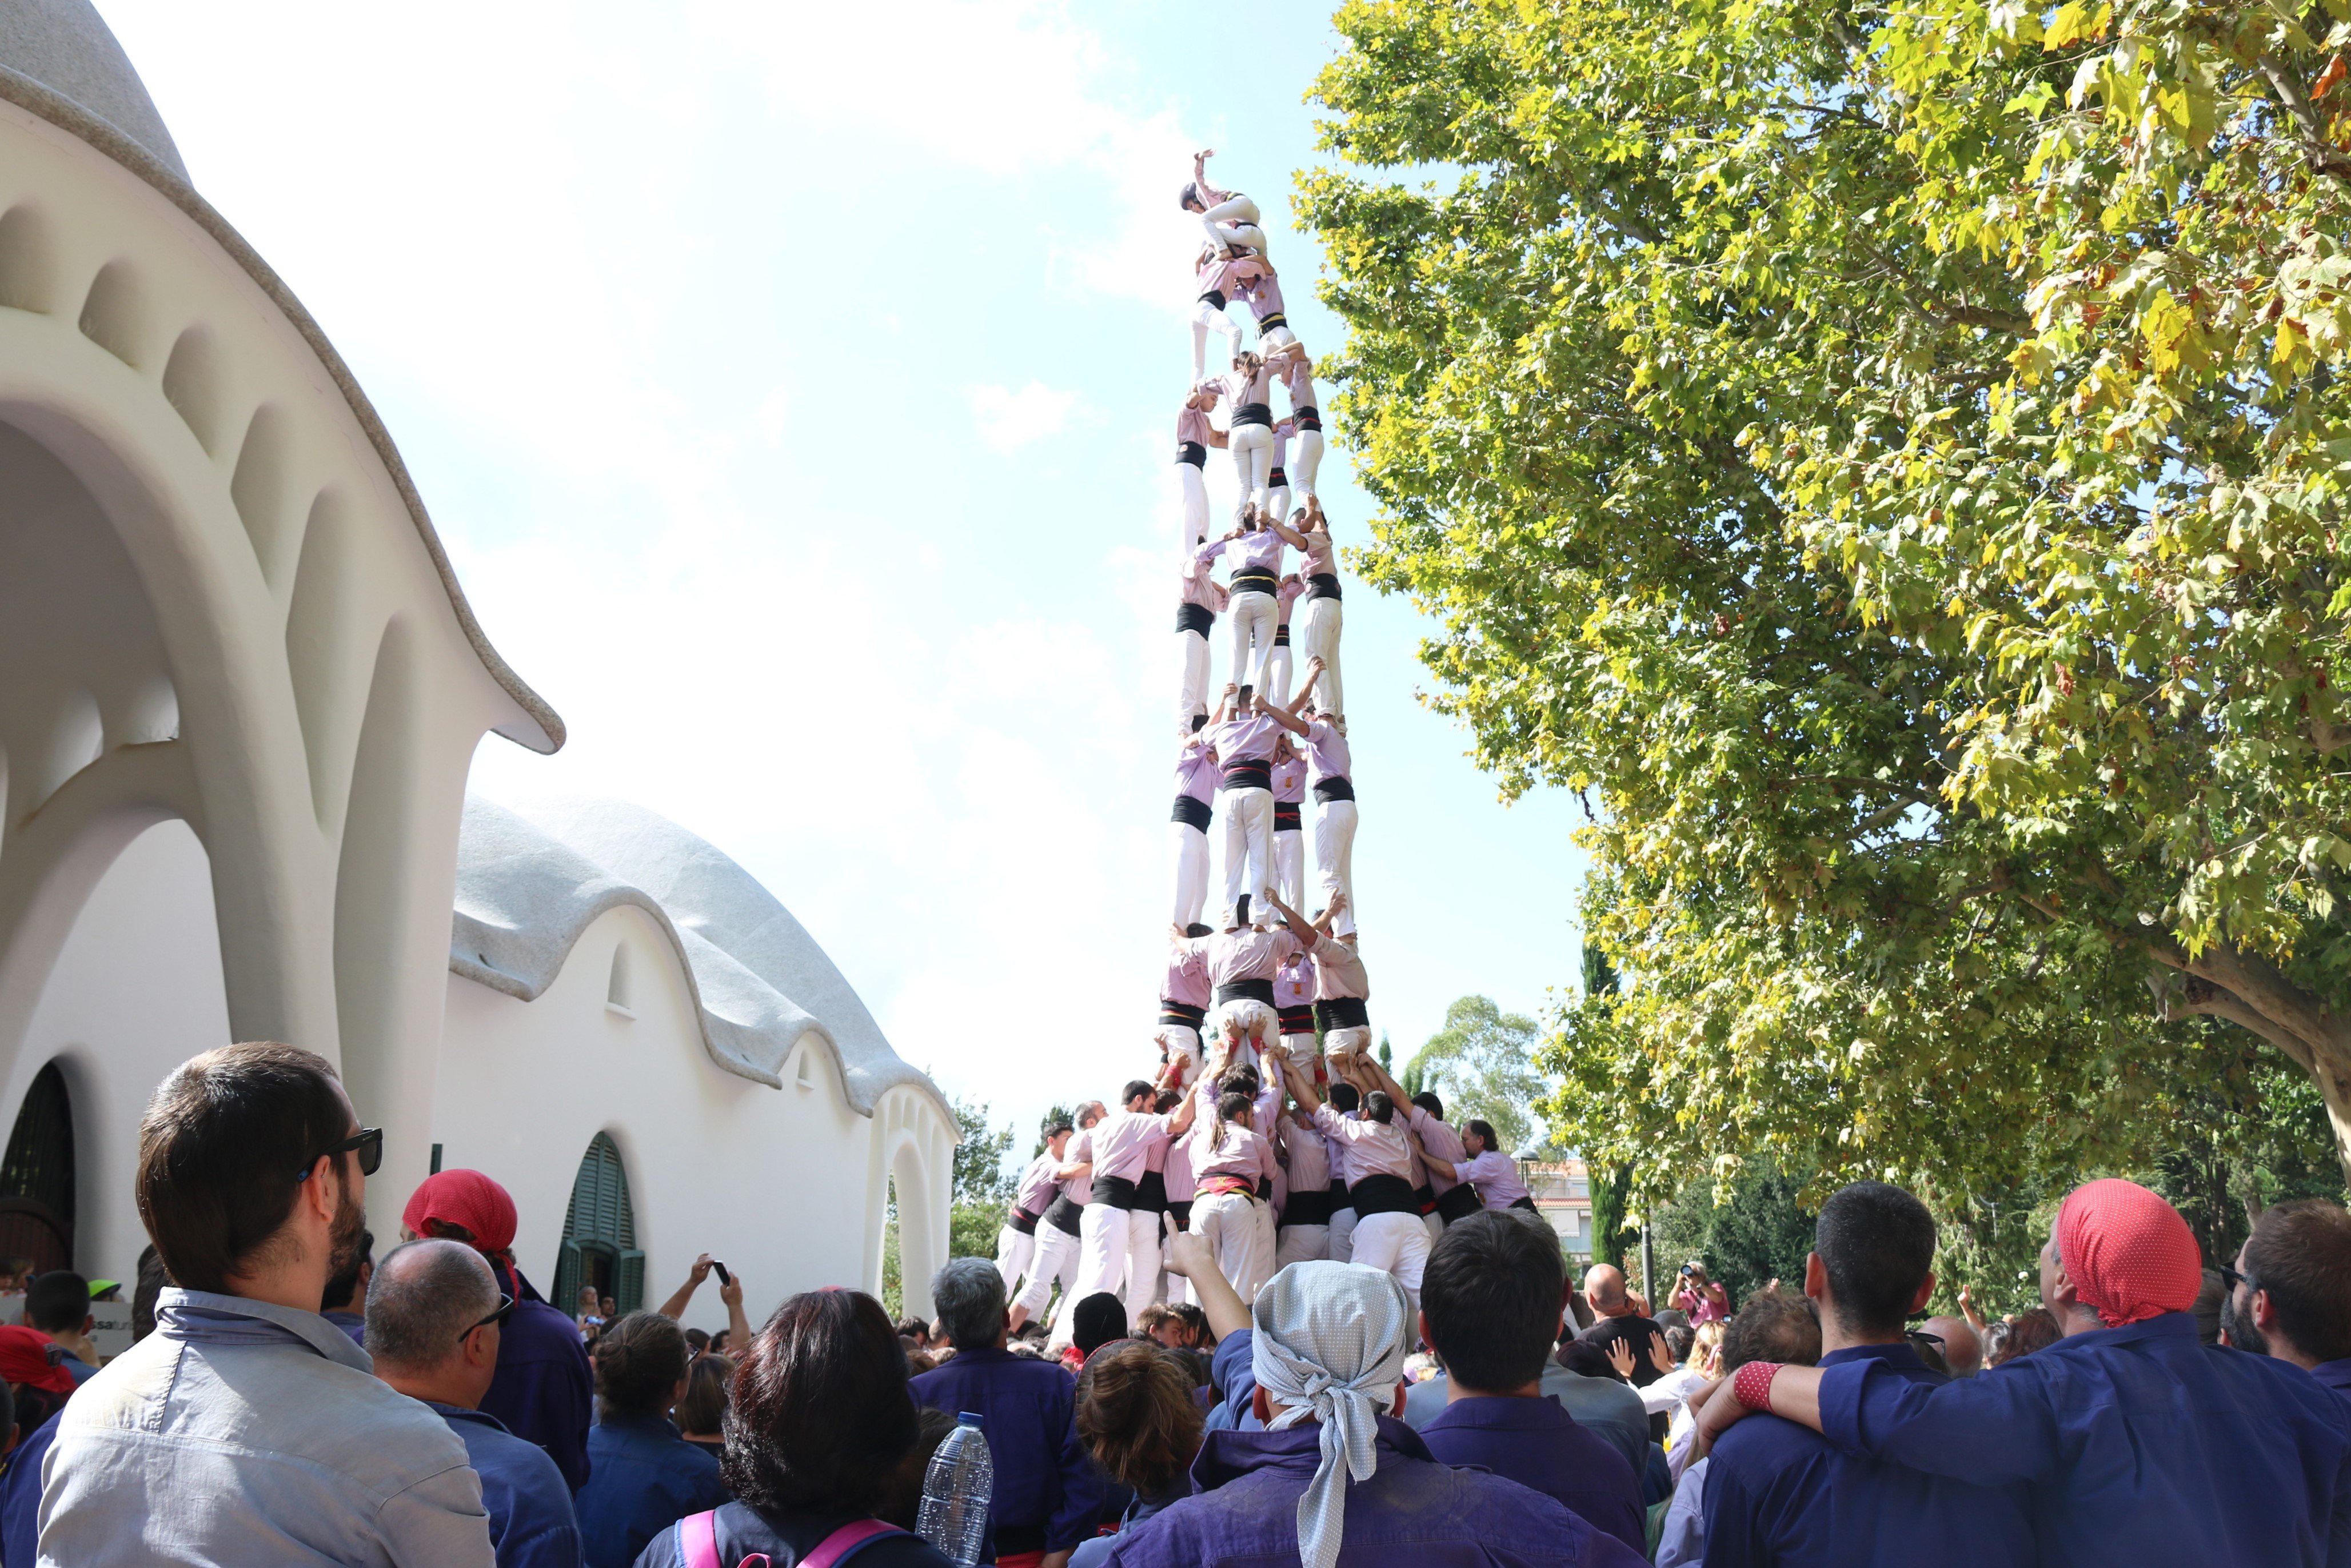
[[423, 1299], [968, 1295]]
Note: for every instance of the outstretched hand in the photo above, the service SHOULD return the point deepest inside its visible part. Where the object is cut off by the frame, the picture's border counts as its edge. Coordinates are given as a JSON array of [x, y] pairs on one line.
[[1660, 1356], [1187, 1253], [1620, 1356]]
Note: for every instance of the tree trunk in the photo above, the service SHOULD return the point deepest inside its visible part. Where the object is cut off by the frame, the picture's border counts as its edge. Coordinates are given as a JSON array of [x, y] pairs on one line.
[[2251, 991]]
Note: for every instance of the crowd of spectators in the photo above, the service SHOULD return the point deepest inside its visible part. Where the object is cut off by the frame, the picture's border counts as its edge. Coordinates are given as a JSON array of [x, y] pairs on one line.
[[292, 1398]]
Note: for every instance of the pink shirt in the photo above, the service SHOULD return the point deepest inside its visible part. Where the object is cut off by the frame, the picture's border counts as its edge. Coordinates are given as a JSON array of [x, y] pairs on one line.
[[1334, 1153], [1263, 292], [1239, 1153], [1195, 774], [1338, 971], [1328, 750], [1317, 554], [1260, 552], [1496, 1178], [1122, 1142], [1037, 1184], [1180, 1183], [1195, 586], [1290, 780], [1307, 1156], [1293, 985], [1373, 1148], [1080, 1149], [1244, 737], [1241, 387], [1441, 1144], [1187, 976], [1291, 587], [1192, 425], [1298, 375], [1247, 954]]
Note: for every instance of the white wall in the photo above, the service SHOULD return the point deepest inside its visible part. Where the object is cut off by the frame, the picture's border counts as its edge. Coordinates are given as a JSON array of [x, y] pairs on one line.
[[136, 991], [774, 1182]]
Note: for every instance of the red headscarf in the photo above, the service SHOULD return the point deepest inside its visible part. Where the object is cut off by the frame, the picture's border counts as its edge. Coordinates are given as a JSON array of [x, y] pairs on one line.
[[2128, 1252], [468, 1198], [27, 1357]]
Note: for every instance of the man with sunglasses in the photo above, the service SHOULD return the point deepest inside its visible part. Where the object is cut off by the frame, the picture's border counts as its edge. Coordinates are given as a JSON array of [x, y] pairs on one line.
[[2290, 1291], [433, 1316], [247, 1428]]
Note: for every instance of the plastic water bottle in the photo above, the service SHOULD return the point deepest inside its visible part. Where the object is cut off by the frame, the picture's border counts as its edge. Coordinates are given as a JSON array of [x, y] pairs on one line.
[[956, 1492]]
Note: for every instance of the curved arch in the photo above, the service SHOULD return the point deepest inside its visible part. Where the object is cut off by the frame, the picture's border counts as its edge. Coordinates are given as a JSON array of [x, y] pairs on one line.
[[38, 1187], [599, 1245], [28, 259], [114, 313]]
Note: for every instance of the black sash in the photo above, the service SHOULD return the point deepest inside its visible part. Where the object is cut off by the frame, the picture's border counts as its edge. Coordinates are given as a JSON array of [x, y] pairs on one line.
[[1063, 1216], [1191, 452], [1151, 1192], [1113, 1192], [1275, 479], [1323, 585], [1296, 1020], [1458, 1203], [1191, 617], [1254, 413], [1307, 418], [1286, 819], [1334, 789], [1305, 1208], [1248, 773], [1191, 811], [1215, 299], [1023, 1221], [1183, 1013], [1247, 990], [1383, 1194], [1268, 323], [1526, 1203], [1343, 1012], [1282, 635], [1254, 580], [1182, 1211]]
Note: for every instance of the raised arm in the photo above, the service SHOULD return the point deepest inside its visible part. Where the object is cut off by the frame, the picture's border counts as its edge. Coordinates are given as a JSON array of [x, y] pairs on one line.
[[1281, 716], [1209, 195], [1189, 1254], [1290, 535], [1301, 1089], [674, 1308], [1379, 1075], [1298, 925], [1297, 705]]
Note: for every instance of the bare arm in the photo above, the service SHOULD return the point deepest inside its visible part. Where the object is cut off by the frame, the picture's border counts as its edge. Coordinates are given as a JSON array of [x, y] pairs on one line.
[[1290, 535], [1296, 922], [1301, 1090], [674, 1308], [1795, 1394], [731, 1293], [1298, 703], [1209, 195], [1379, 1076], [1189, 1255], [1281, 716]]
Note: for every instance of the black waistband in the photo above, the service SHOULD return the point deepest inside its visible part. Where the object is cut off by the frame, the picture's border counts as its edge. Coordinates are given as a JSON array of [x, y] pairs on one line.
[[1215, 297], [1268, 323], [1298, 1019], [1275, 479], [1256, 579], [1191, 452], [1305, 1208], [1342, 1012], [1113, 1192], [1063, 1216], [1424, 1195], [1181, 1207], [1383, 1194], [1248, 773], [1286, 818], [1526, 1203], [1191, 617], [1282, 635], [1151, 1192], [1254, 413], [1334, 788], [1323, 585], [1183, 1013], [1192, 812], [1307, 418], [1458, 1203], [1246, 991], [1023, 1221]]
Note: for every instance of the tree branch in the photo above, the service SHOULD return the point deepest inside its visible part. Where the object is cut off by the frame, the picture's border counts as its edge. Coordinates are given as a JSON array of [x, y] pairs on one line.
[[2325, 158]]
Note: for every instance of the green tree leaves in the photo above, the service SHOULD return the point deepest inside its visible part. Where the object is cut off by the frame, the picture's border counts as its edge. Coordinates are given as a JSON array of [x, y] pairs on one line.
[[1482, 1064]]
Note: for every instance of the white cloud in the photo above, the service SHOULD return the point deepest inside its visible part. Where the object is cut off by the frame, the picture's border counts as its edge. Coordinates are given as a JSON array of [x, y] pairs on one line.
[[1009, 420]]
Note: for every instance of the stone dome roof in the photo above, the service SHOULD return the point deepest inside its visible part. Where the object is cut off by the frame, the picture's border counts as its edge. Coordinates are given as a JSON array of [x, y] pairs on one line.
[[66, 47]]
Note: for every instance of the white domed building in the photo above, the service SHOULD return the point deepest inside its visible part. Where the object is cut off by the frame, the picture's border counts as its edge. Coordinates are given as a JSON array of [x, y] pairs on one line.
[[240, 692]]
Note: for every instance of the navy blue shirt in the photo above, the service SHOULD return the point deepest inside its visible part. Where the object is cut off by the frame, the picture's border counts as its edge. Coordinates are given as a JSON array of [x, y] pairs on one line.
[[529, 1503], [1536, 1444], [352, 1323], [20, 1497], [642, 1479], [1047, 1491], [2335, 1374], [1778, 1492], [2136, 1444], [543, 1392]]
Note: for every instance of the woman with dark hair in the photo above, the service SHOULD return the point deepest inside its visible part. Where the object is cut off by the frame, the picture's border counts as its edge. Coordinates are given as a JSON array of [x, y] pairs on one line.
[[642, 1475], [1138, 1419], [702, 1407], [817, 1428]]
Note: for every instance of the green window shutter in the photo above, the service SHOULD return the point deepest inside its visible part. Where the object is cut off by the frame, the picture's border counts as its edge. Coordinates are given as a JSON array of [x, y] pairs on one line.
[[630, 1294], [567, 1278]]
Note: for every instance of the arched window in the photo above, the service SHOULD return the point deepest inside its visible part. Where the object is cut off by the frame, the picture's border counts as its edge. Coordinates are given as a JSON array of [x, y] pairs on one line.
[[37, 1176], [599, 1239]]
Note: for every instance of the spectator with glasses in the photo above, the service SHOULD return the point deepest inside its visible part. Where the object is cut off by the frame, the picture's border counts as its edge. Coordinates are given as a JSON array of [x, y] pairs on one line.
[[247, 1428], [433, 1315]]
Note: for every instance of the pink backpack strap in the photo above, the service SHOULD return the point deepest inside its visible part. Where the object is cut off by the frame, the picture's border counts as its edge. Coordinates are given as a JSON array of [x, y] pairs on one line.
[[697, 1540], [841, 1543]]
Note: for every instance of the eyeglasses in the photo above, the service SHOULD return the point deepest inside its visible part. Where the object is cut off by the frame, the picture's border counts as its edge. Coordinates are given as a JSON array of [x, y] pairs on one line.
[[367, 1141], [2231, 1279], [506, 1310]]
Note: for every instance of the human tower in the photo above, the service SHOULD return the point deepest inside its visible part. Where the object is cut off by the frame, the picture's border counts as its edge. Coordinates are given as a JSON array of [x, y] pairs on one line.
[[1265, 1126]]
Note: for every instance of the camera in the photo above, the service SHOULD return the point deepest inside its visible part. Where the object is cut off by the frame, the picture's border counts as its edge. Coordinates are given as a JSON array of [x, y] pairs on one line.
[[720, 1270]]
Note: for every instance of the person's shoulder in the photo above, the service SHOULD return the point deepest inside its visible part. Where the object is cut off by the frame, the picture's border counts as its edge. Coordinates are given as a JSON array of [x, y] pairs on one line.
[[538, 1332], [1764, 1445]]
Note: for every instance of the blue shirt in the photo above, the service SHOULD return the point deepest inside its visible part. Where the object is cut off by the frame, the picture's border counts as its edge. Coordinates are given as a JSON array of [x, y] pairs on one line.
[[1778, 1492], [2136, 1445], [352, 1323], [1413, 1510], [543, 1390], [643, 1478], [1537, 1443], [2335, 1374], [531, 1522], [20, 1497], [1046, 1488]]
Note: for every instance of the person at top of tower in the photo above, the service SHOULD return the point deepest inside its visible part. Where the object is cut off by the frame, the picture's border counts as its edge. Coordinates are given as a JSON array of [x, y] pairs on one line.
[[1230, 219]]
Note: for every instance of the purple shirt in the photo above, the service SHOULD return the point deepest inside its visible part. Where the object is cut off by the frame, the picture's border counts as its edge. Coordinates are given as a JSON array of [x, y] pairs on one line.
[[1247, 954], [1037, 1184], [1195, 774], [1122, 1142], [1293, 984], [1080, 1151], [1195, 586], [1537, 1443], [1413, 1509], [1495, 1176], [1180, 1183], [1327, 749], [1441, 1144], [1187, 976], [1239, 1153], [1258, 551], [1315, 559], [1046, 1487], [543, 1390], [1263, 292], [1244, 737], [1298, 375], [1373, 1148], [1305, 1157], [1290, 781]]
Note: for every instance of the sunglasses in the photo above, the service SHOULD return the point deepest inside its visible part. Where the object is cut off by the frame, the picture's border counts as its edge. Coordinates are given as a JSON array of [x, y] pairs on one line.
[[368, 1144], [2231, 1279], [506, 1310]]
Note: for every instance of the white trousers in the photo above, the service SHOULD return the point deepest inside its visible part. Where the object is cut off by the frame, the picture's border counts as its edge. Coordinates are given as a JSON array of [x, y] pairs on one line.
[[1194, 483], [1230, 1223], [1309, 459], [1277, 494], [1252, 449], [1118, 1251], [1191, 873], [1014, 1248], [1277, 668], [1301, 1244], [1207, 319], [1300, 1048], [1192, 682], [1253, 617], [1290, 868], [1241, 214], [1258, 1023], [1248, 849], [1334, 857], [1056, 1263], [1398, 1243], [1316, 628], [1182, 1044], [1342, 1236]]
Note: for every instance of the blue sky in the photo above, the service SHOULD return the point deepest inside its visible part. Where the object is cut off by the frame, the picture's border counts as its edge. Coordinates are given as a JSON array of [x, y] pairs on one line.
[[793, 390]]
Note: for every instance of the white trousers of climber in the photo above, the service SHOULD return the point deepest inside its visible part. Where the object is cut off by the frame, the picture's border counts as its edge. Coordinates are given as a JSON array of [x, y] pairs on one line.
[[1249, 850], [1398, 1243], [1253, 617], [1342, 1236], [1252, 449], [1301, 1244], [1290, 865], [1180, 1043], [1334, 858], [1191, 873], [1277, 672], [1194, 482], [1055, 1263], [1192, 677], [1208, 318], [1229, 1222], [1303, 466], [1242, 224], [1259, 1026], [1014, 1252], [1118, 1251], [1315, 629]]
